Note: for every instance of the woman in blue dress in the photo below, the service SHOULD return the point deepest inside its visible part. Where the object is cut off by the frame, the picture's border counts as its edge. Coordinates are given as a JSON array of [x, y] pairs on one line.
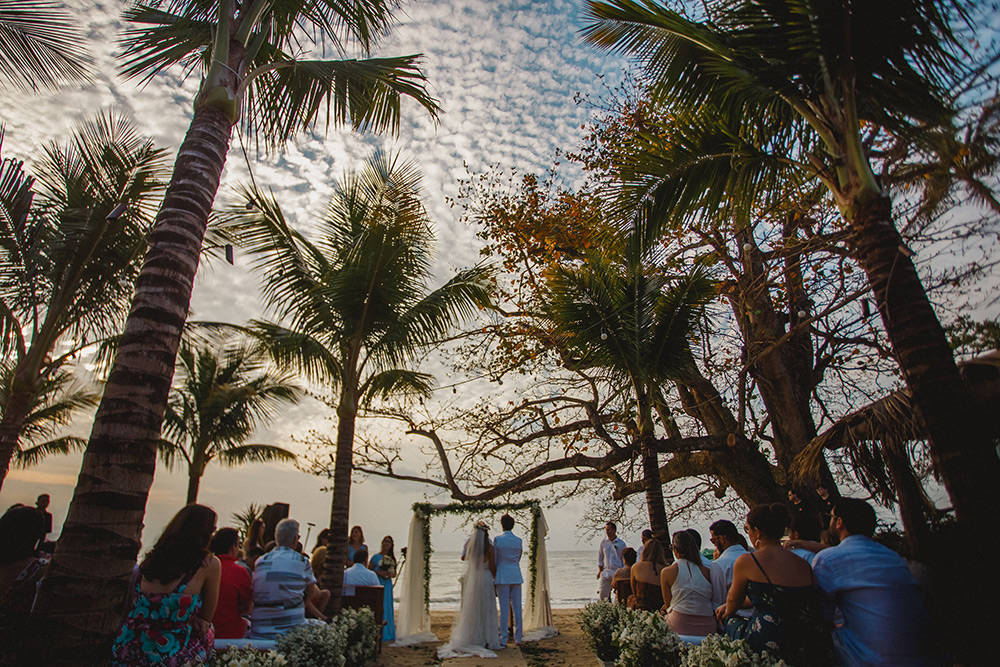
[[355, 541], [384, 565]]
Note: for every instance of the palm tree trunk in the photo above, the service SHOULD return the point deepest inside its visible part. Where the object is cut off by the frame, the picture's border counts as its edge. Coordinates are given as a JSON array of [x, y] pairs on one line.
[[964, 455], [81, 599], [340, 507], [194, 481], [651, 475]]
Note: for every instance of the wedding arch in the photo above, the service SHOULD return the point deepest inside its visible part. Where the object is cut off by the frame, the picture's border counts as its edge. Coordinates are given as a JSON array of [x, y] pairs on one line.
[[413, 625]]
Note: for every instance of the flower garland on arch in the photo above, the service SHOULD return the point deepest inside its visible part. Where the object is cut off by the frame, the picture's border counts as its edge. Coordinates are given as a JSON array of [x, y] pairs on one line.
[[426, 510]]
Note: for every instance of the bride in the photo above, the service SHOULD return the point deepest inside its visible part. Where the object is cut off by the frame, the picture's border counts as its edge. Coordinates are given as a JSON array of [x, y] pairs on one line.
[[476, 630]]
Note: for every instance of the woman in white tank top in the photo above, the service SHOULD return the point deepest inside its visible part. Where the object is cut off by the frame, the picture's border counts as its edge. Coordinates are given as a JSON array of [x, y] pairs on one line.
[[687, 589]]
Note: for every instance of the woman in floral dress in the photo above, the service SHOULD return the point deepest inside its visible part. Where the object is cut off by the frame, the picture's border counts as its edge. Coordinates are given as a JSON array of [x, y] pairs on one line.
[[786, 620], [174, 597]]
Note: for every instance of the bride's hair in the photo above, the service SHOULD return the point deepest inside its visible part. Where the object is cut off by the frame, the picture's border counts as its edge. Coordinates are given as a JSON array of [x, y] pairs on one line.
[[487, 545]]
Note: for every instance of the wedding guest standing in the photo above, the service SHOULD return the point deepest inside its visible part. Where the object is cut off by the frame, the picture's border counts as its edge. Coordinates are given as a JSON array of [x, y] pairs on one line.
[[384, 565], [235, 586], [609, 559], [356, 541], [169, 622], [786, 620], [687, 589], [507, 549], [645, 577]]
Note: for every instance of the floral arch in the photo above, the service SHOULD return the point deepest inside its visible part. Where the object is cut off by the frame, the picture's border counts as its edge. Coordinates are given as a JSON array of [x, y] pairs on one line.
[[413, 625]]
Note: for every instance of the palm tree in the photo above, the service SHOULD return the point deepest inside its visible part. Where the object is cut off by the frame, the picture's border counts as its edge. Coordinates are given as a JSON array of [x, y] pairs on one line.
[[629, 317], [352, 307], [246, 52], [70, 244], [59, 400], [810, 77], [218, 402], [39, 48]]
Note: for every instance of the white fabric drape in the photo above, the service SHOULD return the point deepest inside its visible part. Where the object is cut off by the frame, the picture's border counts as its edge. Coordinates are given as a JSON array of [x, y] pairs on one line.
[[538, 611], [413, 625]]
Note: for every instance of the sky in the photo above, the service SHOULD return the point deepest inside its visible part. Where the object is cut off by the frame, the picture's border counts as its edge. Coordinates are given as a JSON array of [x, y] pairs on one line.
[[505, 74]]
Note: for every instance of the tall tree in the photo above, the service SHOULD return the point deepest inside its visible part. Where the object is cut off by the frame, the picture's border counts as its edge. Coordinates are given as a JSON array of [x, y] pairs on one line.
[[39, 46], [353, 307], [246, 52], [220, 399], [70, 244], [814, 74], [629, 317]]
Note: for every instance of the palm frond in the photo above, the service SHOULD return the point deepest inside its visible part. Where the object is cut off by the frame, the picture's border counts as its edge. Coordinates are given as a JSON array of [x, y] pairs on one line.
[[290, 95], [40, 46], [396, 382], [235, 456], [27, 457]]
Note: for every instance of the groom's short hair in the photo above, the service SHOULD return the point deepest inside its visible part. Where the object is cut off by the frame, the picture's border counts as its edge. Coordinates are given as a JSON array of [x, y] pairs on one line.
[[507, 522]]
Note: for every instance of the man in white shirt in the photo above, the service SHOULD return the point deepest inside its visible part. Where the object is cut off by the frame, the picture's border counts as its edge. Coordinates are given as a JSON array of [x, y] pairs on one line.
[[507, 548], [359, 574], [609, 559], [725, 538]]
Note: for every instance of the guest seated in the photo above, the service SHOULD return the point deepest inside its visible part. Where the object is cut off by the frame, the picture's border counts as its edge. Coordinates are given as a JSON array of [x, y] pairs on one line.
[[645, 577], [284, 586], [687, 589], [249, 559], [884, 621], [629, 556], [803, 527], [786, 620], [359, 574], [255, 537], [22, 529], [175, 595], [696, 536], [235, 587]]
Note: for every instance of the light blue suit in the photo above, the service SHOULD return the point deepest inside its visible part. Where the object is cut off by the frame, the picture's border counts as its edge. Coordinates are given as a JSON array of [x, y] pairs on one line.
[[508, 547]]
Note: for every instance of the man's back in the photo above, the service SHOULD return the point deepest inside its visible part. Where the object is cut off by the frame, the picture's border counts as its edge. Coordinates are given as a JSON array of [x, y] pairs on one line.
[[508, 548], [884, 620], [359, 575], [280, 579], [722, 576]]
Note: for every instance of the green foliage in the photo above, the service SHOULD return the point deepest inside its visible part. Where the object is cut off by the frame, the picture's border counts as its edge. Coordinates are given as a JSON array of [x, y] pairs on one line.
[[40, 45], [645, 640], [600, 621], [247, 516], [721, 651], [971, 337], [348, 640]]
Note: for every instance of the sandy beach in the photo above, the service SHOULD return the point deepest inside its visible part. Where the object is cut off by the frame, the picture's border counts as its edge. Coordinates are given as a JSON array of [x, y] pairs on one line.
[[568, 648]]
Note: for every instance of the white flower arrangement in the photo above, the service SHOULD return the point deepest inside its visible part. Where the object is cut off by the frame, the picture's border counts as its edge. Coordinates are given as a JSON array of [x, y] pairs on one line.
[[314, 645], [645, 640], [721, 651], [248, 656], [360, 635], [600, 621]]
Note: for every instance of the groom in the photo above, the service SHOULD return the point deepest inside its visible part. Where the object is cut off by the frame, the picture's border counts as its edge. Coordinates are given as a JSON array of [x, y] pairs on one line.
[[507, 547]]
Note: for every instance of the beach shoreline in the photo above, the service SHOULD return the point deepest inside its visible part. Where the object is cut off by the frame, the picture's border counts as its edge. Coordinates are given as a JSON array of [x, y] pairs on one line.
[[567, 649]]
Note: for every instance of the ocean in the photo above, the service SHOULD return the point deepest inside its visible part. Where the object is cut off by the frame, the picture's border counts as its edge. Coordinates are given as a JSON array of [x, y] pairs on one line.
[[572, 578]]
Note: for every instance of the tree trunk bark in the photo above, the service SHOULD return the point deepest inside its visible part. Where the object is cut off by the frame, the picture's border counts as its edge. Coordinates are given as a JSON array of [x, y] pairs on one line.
[[340, 508], [82, 597], [194, 481], [964, 455], [651, 474]]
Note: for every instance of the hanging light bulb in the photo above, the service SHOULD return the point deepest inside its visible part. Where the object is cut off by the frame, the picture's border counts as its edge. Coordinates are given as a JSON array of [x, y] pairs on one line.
[[801, 314], [604, 335], [747, 247]]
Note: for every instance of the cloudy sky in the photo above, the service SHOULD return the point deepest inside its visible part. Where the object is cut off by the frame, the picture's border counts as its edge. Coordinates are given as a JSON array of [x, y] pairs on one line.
[[505, 73]]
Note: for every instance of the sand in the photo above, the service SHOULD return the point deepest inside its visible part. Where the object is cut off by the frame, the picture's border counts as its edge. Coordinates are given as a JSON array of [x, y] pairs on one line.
[[568, 648]]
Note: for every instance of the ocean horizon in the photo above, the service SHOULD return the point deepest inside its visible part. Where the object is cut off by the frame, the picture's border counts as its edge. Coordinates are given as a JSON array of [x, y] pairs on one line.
[[572, 579]]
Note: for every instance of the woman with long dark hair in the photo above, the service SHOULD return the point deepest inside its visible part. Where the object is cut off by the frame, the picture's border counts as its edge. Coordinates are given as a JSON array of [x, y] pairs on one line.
[[174, 599], [384, 565], [255, 537], [355, 542], [786, 619], [645, 576]]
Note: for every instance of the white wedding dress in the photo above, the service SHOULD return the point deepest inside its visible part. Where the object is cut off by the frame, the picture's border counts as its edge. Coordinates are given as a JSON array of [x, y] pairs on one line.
[[476, 630]]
